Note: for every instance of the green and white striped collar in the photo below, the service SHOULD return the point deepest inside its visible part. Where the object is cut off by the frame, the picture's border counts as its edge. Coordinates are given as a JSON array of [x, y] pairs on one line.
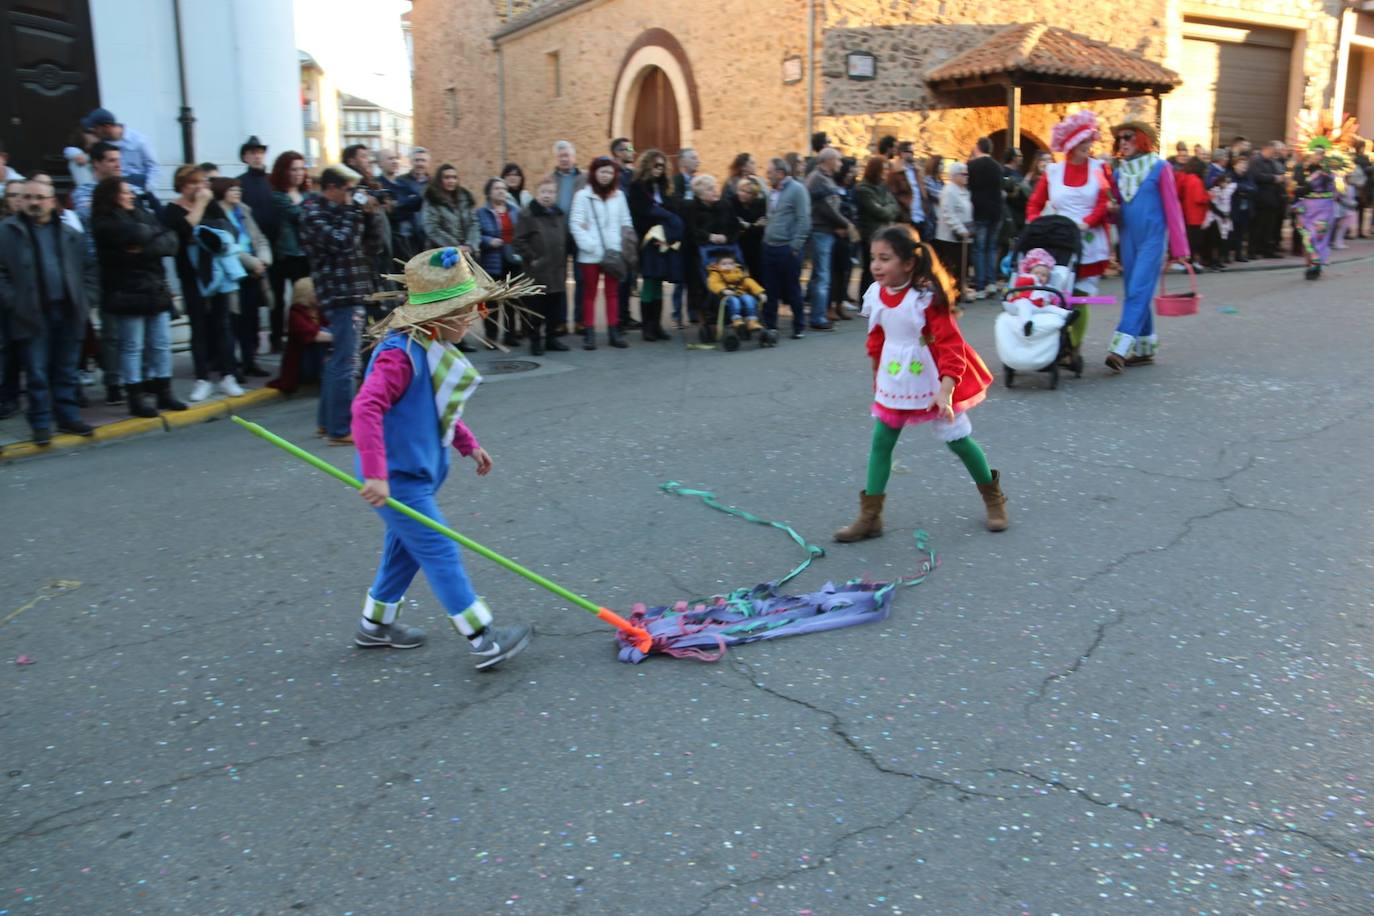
[[454, 380]]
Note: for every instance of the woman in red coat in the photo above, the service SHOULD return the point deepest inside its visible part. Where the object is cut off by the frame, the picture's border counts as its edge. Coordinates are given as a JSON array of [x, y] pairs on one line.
[[1193, 196]]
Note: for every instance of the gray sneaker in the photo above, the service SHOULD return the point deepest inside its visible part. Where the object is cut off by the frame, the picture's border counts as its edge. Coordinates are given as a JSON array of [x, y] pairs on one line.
[[500, 643], [390, 636]]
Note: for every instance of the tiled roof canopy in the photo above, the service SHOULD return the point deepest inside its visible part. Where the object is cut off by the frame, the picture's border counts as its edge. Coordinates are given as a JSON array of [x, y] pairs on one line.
[[1051, 64]]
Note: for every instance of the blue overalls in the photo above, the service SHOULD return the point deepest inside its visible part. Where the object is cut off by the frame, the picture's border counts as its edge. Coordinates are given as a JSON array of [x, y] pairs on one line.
[[1144, 234], [417, 463]]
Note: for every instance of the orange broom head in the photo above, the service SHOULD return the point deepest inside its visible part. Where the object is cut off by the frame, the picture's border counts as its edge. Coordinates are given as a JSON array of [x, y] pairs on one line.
[[638, 635], [643, 642]]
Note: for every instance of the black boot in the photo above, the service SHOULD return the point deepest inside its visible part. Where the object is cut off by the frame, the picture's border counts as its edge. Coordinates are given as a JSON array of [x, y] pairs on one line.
[[139, 403], [536, 345], [554, 344], [589, 339], [616, 338], [162, 390], [653, 321]]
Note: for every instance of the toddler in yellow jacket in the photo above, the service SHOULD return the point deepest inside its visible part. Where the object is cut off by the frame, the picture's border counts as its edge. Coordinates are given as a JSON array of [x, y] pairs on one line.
[[738, 292]]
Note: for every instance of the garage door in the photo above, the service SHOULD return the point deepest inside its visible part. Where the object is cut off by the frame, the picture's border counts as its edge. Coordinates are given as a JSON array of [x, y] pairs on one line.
[[1235, 83]]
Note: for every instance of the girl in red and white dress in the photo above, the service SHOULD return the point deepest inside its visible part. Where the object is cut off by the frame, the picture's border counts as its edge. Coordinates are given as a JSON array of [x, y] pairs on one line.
[[1079, 187], [924, 372]]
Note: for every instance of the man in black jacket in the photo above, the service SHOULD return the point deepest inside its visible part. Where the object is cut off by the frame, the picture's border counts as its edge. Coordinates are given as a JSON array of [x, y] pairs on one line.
[[1267, 170], [402, 206], [257, 189], [623, 151], [48, 281], [257, 194], [985, 188], [688, 162]]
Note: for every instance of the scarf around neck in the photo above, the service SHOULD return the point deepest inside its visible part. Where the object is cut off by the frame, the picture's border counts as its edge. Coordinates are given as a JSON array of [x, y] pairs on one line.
[[1131, 174], [454, 380]]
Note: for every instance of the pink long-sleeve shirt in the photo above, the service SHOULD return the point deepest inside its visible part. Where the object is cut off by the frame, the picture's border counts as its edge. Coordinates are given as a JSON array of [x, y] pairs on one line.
[[385, 384], [1173, 214]]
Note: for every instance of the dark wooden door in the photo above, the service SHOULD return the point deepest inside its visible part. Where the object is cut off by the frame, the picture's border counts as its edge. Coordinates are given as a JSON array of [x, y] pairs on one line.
[[656, 122], [47, 80]]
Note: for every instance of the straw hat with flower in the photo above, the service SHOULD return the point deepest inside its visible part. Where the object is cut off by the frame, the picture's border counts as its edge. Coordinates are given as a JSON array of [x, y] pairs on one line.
[[446, 283]]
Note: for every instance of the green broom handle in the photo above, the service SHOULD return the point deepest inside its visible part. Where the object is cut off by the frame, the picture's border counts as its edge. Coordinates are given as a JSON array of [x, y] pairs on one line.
[[425, 520]]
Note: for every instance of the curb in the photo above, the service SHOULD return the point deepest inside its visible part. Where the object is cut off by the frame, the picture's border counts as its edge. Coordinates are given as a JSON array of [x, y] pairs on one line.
[[1351, 259], [135, 426]]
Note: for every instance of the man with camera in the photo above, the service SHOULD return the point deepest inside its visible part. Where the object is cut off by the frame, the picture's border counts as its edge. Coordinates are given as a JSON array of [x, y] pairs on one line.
[[343, 231]]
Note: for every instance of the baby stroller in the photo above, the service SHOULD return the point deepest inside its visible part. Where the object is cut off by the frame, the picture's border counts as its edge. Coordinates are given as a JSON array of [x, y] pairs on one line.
[[1036, 339], [710, 334]]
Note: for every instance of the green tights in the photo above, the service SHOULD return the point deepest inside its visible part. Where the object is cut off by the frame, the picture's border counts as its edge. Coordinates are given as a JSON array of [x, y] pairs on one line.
[[651, 291], [885, 439], [1079, 329]]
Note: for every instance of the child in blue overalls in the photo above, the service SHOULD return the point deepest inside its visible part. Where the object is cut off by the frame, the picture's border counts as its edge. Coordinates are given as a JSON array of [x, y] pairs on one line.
[[405, 417]]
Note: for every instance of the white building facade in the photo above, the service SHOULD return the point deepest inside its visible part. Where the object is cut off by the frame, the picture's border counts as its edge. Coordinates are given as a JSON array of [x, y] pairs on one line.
[[242, 75]]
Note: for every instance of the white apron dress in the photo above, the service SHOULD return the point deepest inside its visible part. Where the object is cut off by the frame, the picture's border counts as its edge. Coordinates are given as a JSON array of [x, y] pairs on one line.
[[1077, 204], [908, 378]]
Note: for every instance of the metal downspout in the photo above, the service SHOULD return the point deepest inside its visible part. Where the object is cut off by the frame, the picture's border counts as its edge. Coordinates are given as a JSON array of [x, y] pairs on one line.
[[810, 72], [186, 118]]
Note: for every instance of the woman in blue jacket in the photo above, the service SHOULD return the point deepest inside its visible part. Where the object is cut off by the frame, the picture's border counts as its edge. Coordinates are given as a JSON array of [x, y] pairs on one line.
[[496, 222]]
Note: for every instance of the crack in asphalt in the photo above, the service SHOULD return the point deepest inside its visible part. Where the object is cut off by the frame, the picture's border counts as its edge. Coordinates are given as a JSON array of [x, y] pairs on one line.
[[836, 728], [1184, 826], [935, 784], [33, 831], [1102, 627]]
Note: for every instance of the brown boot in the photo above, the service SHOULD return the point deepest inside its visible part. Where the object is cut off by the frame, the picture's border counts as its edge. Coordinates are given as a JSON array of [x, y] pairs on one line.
[[995, 502], [869, 524]]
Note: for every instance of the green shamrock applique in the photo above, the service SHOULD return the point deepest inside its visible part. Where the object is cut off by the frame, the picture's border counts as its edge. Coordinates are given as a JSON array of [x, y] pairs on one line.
[[917, 367], [894, 368]]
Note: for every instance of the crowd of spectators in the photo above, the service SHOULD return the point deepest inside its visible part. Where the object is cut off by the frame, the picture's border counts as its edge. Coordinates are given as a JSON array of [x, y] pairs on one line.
[[307, 253]]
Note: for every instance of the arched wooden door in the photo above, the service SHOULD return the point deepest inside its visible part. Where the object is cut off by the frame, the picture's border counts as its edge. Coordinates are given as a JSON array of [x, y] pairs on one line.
[[656, 120]]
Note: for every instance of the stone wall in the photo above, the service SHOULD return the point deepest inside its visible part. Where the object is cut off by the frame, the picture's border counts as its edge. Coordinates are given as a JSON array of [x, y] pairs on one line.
[[910, 39], [952, 132]]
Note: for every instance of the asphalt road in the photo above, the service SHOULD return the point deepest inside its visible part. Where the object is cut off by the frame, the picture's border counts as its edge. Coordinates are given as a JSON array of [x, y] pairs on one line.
[[1151, 694]]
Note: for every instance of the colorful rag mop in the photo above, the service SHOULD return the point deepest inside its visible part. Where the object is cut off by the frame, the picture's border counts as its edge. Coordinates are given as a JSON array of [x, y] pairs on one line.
[[704, 628]]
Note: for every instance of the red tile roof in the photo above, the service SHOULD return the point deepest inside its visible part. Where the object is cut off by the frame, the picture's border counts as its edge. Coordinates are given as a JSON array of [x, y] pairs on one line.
[[1035, 49]]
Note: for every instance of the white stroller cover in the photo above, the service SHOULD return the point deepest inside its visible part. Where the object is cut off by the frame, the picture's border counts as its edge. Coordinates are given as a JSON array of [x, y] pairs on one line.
[[1036, 350]]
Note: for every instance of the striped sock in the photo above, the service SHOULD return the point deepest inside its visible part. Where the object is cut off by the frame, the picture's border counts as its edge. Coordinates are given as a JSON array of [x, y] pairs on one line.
[[379, 614], [471, 623]]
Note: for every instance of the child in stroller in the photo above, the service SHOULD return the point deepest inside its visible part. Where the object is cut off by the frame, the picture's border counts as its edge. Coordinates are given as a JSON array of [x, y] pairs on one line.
[[740, 294], [1032, 332], [737, 297]]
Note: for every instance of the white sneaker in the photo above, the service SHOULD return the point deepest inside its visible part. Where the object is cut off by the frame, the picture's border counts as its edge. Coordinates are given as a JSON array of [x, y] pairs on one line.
[[200, 390], [86, 378], [230, 386]]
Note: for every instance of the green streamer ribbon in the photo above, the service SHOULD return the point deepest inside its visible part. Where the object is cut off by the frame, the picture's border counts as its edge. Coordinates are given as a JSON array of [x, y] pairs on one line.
[[739, 598]]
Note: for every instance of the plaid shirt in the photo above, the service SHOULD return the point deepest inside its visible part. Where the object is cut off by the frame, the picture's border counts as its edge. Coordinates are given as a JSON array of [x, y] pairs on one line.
[[333, 235]]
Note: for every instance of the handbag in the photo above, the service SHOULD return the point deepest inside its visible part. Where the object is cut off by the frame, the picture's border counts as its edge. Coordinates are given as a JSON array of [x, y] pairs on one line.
[[613, 262]]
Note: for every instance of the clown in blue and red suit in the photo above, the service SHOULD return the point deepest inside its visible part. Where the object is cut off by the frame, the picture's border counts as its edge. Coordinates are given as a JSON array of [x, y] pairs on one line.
[[1149, 214]]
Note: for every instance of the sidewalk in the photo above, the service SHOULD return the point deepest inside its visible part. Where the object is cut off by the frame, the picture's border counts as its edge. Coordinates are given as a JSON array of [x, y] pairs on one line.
[[1355, 250], [113, 421]]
